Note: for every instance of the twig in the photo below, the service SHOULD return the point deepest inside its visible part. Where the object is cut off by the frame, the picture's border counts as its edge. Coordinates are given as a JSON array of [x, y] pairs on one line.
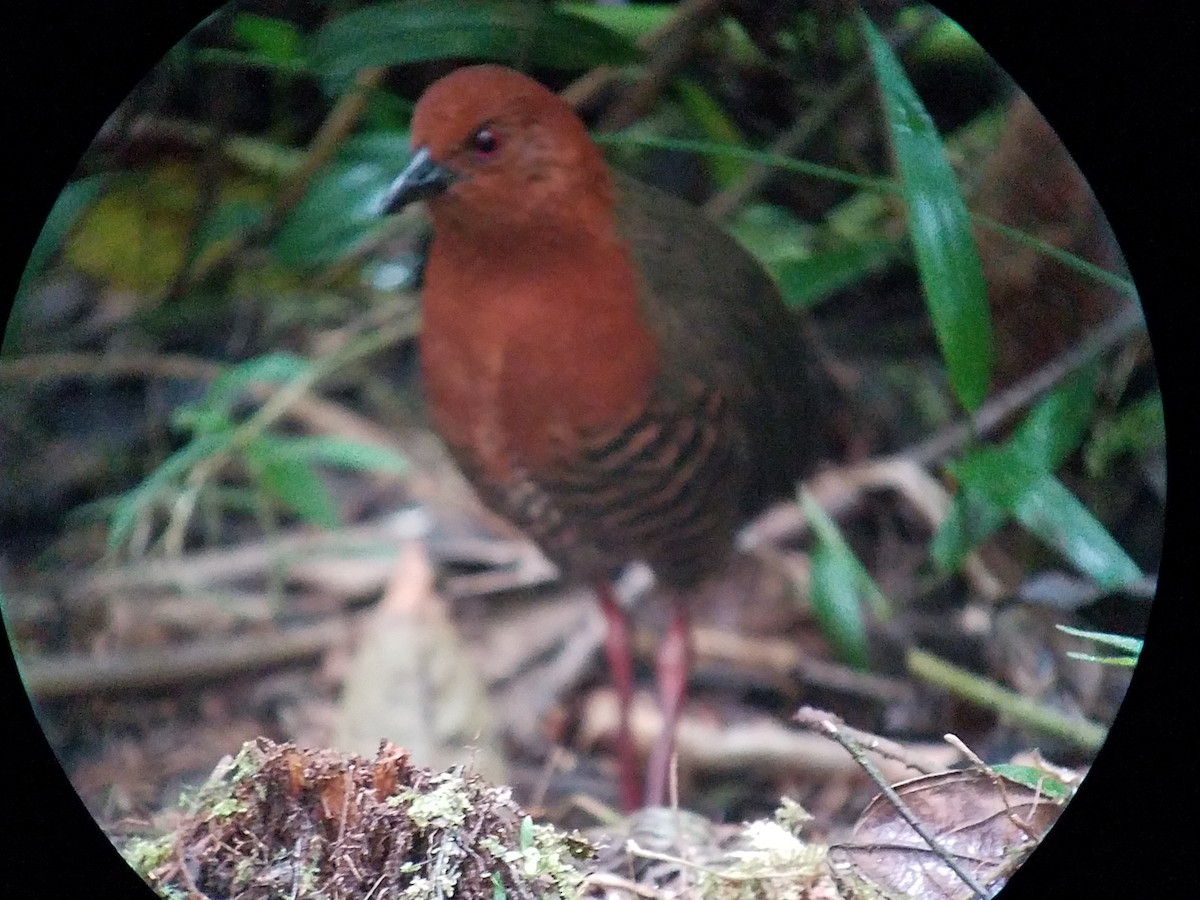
[[57, 677], [1010, 705], [635, 849], [806, 127], [318, 415], [760, 744], [333, 131], [997, 781], [54, 366], [203, 570], [616, 882], [584, 90], [831, 726], [667, 56], [1120, 326], [366, 344]]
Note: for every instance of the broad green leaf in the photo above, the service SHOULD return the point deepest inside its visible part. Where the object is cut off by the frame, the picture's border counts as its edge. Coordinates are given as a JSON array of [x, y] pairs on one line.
[[1137, 430], [1051, 431], [940, 228], [806, 282], [334, 451], [133, 503], [340, 210], [630, 20], [275, 40], [1042, 504], [527, 35], [293, 482], [840, 586], [946, 41]]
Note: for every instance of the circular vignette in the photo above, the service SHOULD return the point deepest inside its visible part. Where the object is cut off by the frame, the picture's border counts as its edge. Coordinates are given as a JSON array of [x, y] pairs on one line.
[[69, 65]]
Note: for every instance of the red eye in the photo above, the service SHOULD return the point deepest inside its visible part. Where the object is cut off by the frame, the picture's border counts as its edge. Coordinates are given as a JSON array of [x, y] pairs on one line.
[[486, 141]]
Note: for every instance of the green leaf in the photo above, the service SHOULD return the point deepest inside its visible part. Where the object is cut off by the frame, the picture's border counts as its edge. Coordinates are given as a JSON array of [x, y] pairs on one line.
[[215, 406], [972, 519], [133, 503], [527, 35], [630, 20], [1057, 424], [1118, 641], [773, 234], [499, 891], [1136, 431], [806, 282], [293, 482], [1127, 662], [340, 209], [840, 585], [526, 836], [1035, 779], [1045, 438], [227, 221], [335, 451], [337, 213], [940, 228], [1131, 646], [717, 126], [275, 40], [1041, 503]]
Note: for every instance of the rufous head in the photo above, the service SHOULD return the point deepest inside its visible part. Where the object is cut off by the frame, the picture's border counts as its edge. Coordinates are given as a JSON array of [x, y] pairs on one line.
[[496, 150]]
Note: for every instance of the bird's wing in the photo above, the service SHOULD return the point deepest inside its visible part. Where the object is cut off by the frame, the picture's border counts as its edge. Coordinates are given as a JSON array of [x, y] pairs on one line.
[[718, 316]]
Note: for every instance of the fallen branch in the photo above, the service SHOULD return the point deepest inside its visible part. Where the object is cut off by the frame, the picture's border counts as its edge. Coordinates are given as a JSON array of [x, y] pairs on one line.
[[58, 677]]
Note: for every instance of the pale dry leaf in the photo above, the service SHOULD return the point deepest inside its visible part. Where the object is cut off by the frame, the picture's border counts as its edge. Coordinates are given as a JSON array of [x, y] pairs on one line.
[[412, 682]]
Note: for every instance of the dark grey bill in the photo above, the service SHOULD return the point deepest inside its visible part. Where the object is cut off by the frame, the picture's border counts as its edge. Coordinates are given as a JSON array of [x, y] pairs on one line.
[[421, 179]]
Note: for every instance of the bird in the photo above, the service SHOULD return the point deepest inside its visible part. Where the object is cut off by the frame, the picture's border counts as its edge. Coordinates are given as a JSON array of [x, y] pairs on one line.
[[613, 373]]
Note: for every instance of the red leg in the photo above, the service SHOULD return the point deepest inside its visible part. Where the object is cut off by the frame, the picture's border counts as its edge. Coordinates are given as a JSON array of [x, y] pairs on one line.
[[674, 663], [620, 663]]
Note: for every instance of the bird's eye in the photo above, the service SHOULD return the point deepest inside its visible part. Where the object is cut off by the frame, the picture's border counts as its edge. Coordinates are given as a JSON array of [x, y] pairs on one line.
[[485, 142]]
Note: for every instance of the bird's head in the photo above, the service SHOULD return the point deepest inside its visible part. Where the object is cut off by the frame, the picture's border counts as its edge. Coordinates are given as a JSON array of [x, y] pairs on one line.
[[495, 150]]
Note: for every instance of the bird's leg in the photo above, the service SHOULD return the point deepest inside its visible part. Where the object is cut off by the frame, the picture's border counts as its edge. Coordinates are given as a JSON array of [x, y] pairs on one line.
[[620, 663], [674, 663]]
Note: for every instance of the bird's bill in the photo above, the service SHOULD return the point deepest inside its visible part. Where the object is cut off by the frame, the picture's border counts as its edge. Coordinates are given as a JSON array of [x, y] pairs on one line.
[[421, 179]]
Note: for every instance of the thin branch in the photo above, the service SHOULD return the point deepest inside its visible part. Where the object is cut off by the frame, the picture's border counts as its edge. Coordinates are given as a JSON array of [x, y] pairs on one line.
[[584, 90], [1119, 327], [57, 677], [667, 57], [828, 724], [808, 125], [1014, 707]]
